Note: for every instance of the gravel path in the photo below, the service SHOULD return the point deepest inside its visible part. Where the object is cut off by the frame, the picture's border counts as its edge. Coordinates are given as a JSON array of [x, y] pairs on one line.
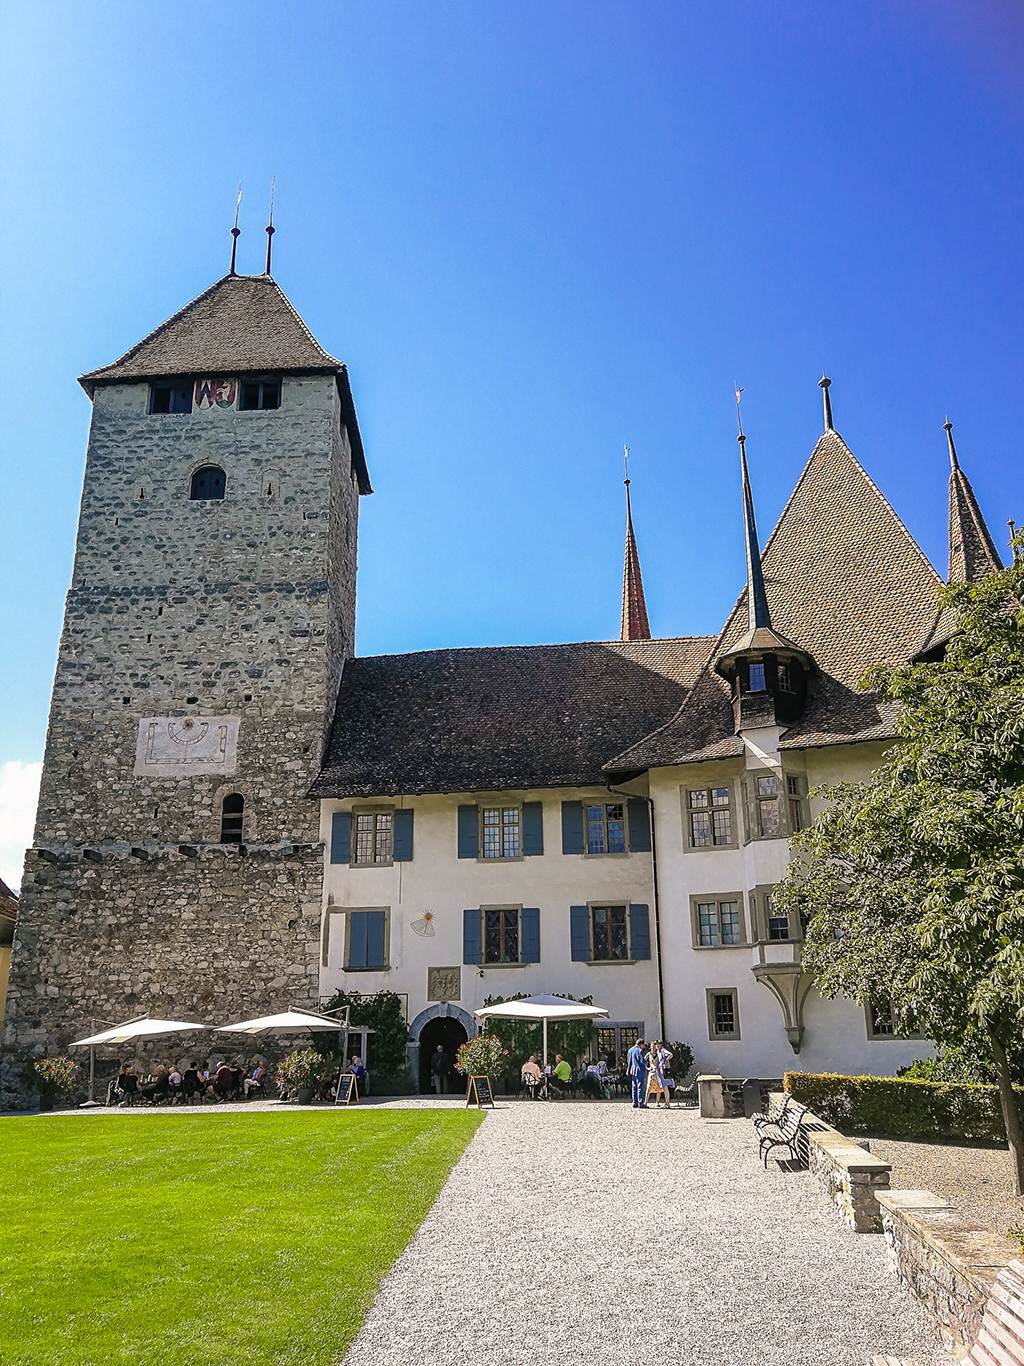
[[577, 1233], [978, 1181]]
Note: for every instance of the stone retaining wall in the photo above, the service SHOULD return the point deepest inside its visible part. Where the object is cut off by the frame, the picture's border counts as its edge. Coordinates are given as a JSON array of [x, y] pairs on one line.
[[851, 1178], [948, 1264]]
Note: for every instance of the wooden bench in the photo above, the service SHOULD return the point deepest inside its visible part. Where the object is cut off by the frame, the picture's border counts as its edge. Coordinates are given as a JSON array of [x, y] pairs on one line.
[[1001, 1340]]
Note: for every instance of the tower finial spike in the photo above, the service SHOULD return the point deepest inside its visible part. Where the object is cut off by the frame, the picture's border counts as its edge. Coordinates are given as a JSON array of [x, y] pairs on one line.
[[235, 231], [948, 428], [739, 420], [757, 598], [824, 384], [625, 462], [270, 226]]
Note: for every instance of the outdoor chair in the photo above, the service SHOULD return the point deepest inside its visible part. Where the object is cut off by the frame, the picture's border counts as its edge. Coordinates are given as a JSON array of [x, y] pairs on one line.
[[530, 1085]]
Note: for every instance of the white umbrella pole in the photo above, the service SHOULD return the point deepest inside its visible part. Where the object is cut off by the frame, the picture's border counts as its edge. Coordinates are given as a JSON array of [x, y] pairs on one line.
[[545, 1043], [92, 1069]]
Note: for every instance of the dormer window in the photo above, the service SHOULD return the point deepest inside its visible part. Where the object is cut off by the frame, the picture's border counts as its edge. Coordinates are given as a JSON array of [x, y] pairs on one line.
[[784, 681], [208, 483], [757, 678], [261, 393], [171, 398]]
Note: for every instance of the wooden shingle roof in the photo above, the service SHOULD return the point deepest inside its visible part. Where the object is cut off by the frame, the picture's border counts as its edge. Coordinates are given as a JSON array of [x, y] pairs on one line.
[[243, 324]]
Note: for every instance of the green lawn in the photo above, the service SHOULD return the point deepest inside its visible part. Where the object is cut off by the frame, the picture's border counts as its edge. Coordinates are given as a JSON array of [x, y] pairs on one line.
[[201, 1239]]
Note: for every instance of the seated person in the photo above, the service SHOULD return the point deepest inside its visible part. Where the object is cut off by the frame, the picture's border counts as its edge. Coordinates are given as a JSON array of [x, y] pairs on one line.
[[159, 1088], [255, 1082], [530, 1075], [128, 1083], [190, 1081], [219, 1086], [562, 1073], [174, 1082]]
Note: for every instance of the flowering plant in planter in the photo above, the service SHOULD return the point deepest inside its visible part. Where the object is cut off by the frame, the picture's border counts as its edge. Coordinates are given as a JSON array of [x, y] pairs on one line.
[[481, 1057], [304, 1070], [53, 1078]]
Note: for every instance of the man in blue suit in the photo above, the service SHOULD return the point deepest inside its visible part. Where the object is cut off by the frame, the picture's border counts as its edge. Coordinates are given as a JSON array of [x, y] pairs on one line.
[[636, 1067]]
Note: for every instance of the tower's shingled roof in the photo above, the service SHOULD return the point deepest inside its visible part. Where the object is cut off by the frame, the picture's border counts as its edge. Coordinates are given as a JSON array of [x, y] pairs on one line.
[[846, 582], [243, 324], [504, 718]]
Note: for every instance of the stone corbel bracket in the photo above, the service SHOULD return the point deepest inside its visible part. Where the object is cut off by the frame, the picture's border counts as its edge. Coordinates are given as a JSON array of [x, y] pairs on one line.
[[789, 984]]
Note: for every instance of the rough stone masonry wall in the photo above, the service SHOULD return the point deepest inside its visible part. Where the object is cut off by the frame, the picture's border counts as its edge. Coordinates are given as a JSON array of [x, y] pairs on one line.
[[949, 1265], [212, 939], [233, 603], [850, 1177], [240, 607]]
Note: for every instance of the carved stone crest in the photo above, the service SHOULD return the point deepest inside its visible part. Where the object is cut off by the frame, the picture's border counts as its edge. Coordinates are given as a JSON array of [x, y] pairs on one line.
[[444, 984]]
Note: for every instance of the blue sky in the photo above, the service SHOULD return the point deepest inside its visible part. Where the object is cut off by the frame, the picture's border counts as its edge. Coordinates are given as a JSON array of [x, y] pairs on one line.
[[534, 231]]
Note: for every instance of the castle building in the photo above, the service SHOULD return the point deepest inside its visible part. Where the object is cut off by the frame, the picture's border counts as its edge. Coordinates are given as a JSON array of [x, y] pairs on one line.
[[238, 814]]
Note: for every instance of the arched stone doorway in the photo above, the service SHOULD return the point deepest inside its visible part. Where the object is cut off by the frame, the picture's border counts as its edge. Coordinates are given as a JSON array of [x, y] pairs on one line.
[[445, 1024], [450, 1034]]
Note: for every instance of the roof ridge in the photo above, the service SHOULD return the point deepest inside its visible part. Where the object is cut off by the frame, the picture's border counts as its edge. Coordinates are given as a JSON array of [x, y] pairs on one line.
[[297, 316], [542, 645]]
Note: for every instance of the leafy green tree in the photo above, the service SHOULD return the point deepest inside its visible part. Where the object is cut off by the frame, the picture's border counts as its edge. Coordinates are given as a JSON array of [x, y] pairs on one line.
[[386, 1046], [912, 885]]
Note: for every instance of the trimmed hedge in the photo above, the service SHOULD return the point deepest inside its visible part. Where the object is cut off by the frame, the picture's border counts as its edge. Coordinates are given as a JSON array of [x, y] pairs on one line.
[[898, 1107]]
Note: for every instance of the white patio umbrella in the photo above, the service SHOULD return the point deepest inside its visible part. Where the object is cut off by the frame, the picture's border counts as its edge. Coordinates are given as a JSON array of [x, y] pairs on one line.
[[286, 1022], [543, 1009], [131, 1029]]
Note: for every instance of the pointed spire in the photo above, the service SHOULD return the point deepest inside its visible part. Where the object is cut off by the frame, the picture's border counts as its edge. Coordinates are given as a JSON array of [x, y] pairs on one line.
[[270, 226], [972, 552], [824, 384], [235, 232], [634, 608], [757, 598]]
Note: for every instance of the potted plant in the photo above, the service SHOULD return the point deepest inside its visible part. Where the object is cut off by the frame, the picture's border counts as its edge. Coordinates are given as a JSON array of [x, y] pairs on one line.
[[481, 1057], [303, 1073], [53, 1078]]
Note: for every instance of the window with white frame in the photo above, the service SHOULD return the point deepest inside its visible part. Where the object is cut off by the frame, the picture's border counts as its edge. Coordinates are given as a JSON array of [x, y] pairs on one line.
[[500, 832], [709, 818], [717, 921], [776, 919], [785, 679], [374, 835], [769, 824], [606, 828]]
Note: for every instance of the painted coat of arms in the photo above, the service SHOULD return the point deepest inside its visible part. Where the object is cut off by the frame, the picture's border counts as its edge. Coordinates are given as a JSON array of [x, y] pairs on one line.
[[215, 393]]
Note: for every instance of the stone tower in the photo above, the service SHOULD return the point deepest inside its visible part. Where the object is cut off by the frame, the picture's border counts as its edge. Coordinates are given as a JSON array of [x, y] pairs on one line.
[[176, 868]]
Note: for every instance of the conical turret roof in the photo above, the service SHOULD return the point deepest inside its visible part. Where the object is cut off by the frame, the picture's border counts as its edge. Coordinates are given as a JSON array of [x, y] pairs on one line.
[[635, 625]]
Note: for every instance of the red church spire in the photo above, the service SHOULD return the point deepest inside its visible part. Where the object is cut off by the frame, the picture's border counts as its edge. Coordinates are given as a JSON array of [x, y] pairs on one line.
[[635, 625]]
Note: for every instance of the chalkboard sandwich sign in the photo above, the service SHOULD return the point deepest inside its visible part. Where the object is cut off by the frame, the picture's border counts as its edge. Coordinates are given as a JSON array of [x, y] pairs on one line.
[[479, 1092]]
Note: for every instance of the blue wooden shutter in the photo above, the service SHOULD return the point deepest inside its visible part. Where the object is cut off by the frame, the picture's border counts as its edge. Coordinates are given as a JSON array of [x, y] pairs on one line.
[[467, 833], [529, 935], [572, 828], [579, 926], [341, 837], [533, 828], [639, 932], [638, 816], [357, 928], [471, 946], [402, 837], [375, 939]]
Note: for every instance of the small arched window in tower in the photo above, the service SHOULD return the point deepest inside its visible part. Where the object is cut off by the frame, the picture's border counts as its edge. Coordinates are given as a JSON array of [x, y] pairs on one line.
[[231, 819], [208, 482]]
